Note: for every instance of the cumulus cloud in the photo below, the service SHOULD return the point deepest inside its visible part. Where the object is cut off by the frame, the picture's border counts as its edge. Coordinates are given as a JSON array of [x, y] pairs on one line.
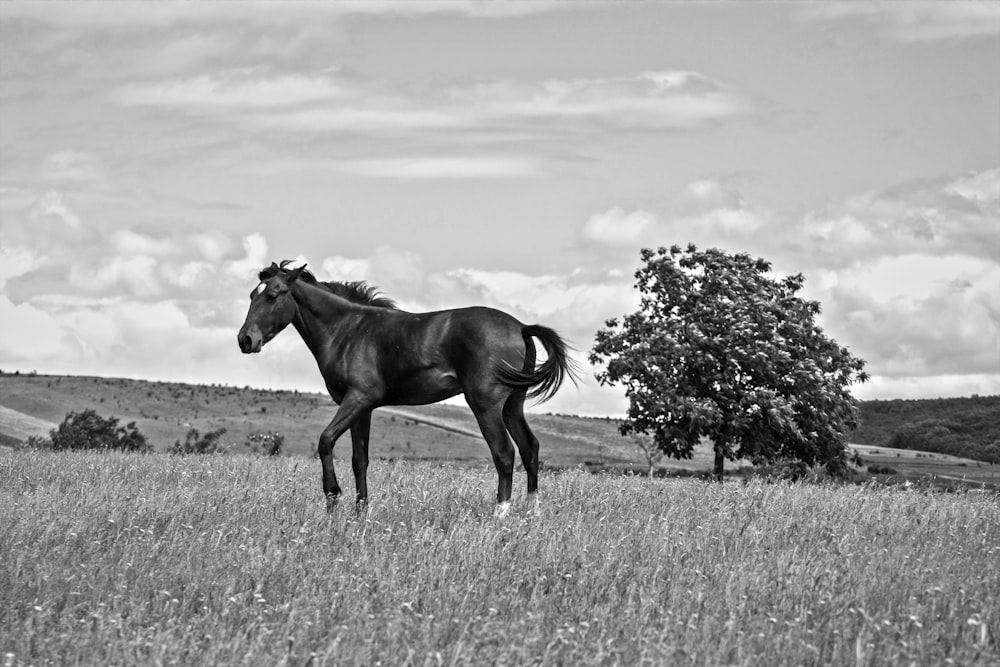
[[707, 212], [82, 298], [917, 315], [617, 227], [29, 333], [74, 259], [908, 277], [55, 205], [947, 216]]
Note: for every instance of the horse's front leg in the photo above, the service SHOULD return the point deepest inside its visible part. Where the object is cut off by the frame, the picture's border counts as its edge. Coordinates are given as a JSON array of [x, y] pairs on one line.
[[351, 407], [360, 430]]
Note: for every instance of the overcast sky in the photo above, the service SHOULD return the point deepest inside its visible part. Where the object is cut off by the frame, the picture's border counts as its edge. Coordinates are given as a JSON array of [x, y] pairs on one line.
[[153, 157]]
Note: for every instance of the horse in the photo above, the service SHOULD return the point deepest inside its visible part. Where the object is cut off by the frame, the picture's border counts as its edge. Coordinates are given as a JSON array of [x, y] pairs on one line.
[[372, 354]]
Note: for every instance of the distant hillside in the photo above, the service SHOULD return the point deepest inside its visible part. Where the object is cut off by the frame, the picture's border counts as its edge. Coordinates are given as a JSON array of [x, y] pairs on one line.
[[967, 427], [164, 411]]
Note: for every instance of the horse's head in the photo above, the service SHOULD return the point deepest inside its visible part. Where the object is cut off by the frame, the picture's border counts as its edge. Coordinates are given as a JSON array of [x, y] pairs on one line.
[[272, 308]]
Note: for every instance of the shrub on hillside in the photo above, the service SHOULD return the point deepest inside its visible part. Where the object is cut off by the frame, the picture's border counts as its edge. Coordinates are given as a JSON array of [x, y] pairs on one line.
[[791, 470], [268, 444], [196, 443], [88, 430]]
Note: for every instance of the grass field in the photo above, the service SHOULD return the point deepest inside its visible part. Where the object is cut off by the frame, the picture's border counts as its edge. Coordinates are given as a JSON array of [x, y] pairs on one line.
[[128, 559]]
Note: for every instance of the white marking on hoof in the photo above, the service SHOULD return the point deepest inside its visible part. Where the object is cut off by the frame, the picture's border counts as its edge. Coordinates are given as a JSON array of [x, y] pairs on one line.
[[502, 510]]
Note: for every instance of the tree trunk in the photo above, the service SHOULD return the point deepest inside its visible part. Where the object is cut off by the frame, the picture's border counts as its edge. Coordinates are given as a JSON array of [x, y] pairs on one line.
[[719, 462]]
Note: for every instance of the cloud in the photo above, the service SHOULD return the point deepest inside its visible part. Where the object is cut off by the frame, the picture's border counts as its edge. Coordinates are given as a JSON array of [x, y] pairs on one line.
[[335, 102], [76, 297], [70, 166], [616, 227], [908, 277], [30, 334], [917, 315], [60, 256], [939, 217], [55, 205], [255, 258], [261, 13], [916, 22], [444, 167], [941, 386], [707, 213], [650, 100], [234, 89]]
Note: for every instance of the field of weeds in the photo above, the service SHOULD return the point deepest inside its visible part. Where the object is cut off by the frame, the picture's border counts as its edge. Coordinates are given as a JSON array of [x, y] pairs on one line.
[[130, 559]]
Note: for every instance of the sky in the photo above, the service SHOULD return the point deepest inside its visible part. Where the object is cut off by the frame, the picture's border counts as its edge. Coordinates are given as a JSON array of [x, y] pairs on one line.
[[155, 156]]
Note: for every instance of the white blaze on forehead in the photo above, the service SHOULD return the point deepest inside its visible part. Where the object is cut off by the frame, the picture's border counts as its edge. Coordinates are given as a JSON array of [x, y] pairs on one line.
[[261, 288]]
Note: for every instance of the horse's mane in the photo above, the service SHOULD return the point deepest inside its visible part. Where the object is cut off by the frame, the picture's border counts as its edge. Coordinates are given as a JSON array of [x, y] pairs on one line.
[[356, 291]]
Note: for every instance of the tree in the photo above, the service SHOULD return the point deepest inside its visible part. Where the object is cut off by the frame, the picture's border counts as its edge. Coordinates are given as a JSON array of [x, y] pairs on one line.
[[195, 443], [719, 349], [88, 430], [651, 452], [268, 444]]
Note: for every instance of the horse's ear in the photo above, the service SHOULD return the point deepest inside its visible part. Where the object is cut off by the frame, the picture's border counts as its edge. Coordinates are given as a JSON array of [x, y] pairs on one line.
[[294, 274]]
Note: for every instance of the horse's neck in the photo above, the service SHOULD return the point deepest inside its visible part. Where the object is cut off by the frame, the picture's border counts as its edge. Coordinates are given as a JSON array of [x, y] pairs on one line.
[[322, 317]]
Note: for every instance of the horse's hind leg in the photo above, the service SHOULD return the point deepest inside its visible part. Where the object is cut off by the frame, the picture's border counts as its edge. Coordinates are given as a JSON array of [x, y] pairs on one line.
[[527, 443], [490, 418]]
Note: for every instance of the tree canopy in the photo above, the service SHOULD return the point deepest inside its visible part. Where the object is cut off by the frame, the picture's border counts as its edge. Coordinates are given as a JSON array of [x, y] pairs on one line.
[[88, 430], [720, 349]]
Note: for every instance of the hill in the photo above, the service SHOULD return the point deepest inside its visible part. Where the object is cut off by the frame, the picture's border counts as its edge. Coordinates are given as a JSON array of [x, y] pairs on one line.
[[967, 427], [164, 411]]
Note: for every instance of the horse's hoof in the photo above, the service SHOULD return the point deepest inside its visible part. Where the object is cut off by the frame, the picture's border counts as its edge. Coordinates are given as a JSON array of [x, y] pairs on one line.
[[502, 509], [361, 506]]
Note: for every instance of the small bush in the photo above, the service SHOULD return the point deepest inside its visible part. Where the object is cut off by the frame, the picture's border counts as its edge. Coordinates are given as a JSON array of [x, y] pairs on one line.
[[88, 430], [881, 470], [195, 443], [268, 444], [37, 442], [786, 469]]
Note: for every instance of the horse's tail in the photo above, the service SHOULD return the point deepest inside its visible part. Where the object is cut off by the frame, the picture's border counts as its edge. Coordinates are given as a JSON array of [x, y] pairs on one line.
[[544, 381]]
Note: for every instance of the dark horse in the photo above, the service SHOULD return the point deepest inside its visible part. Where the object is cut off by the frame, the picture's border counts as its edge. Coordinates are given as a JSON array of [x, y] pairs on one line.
[[371, 354]]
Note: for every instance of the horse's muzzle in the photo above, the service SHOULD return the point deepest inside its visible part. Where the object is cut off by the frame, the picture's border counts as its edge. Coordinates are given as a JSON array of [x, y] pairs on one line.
[[250, 340]]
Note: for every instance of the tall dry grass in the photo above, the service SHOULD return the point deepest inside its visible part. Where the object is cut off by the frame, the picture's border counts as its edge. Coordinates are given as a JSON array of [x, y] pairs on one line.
[[128, 559]]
